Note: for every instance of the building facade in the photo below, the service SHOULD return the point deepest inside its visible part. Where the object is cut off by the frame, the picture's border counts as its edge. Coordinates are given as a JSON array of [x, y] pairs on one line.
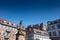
[[54, 29], [37, 32], [11, 31], [8, 30]]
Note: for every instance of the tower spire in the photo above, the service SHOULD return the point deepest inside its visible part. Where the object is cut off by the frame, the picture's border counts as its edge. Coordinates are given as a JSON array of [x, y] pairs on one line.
[[20, 23]]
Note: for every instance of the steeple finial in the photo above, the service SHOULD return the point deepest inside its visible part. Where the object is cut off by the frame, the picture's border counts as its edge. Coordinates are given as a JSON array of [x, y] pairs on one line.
[[20, 22]]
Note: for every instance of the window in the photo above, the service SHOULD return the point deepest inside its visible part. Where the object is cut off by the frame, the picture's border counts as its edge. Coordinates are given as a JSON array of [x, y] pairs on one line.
[[5, 34], [8, 34], [50, 34], [13, 29], [59, 32], [4, 27], [11, 34], [6, 38], [46, 34], [39, 33], [37, 36], [58, 26], [1, 26], [0, 33], [9, 28], [49, 27], [29, 39], [16, 31], [37, 39], [53, 27], [30, 36], [54, 33]]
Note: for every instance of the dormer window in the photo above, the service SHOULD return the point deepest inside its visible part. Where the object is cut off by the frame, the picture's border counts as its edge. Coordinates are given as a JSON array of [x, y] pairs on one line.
[[0, 20], [12, 24], [5, 22], [9, 23]]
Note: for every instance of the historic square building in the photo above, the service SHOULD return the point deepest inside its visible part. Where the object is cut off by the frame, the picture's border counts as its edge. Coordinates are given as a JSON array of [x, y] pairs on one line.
[[11, 31], [8, 30]]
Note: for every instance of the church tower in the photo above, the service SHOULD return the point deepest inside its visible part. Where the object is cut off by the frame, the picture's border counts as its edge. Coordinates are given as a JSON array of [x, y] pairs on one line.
[[21, 35]]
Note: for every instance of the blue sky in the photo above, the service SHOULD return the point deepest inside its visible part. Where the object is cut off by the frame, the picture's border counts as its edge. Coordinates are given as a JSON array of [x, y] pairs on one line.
[[30, 11]]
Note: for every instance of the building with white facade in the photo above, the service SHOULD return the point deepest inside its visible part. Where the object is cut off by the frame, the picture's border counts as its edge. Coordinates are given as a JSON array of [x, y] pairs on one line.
[[36, 32], [54, 29]]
